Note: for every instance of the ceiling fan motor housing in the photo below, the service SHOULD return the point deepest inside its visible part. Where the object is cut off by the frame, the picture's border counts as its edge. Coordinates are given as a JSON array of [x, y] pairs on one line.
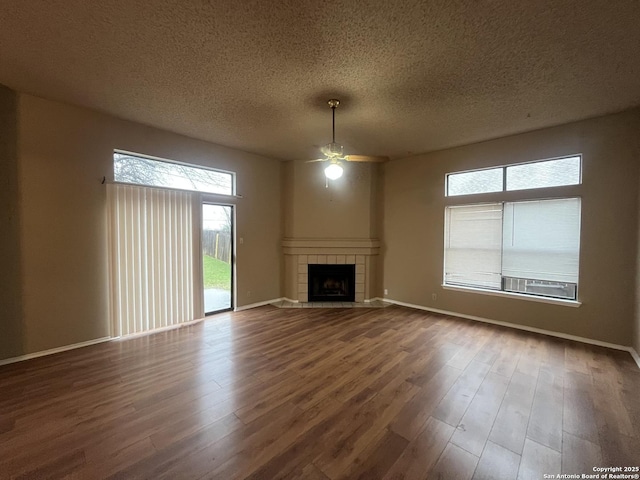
[[333, 150]]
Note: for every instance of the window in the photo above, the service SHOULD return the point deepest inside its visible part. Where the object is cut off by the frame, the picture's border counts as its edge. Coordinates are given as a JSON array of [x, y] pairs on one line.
[[473, 243], [541, 174], [129, 168], [478, 181], [541, 244], [529, 246], [549, 173], [526, 247]]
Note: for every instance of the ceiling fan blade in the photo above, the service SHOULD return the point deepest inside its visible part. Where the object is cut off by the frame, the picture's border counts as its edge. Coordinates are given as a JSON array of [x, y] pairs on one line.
[[317, 160], [365, 158]]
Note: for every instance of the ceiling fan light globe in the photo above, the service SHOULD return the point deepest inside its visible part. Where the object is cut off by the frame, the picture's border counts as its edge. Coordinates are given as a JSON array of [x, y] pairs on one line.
[[333, 171]]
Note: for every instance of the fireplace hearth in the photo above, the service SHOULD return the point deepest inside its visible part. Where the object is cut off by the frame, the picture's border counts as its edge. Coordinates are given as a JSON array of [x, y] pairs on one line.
[[331, 283]]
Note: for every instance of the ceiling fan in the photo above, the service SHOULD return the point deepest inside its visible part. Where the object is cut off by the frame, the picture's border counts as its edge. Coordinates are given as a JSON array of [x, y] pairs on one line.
[[334, 152]]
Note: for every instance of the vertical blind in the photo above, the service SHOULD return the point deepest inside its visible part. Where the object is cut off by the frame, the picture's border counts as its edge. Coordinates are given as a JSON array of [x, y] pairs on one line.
[[151, 258]]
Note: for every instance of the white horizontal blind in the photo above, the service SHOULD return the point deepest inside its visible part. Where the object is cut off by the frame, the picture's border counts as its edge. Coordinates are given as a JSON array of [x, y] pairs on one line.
[[473, 238], [541, 240], [151, 258]]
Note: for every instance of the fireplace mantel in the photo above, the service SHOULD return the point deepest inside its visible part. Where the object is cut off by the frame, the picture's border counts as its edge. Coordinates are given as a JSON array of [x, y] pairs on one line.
[[331, 246]]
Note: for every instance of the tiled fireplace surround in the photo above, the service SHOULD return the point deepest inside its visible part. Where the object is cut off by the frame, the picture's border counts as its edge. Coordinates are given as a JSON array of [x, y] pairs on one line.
[[300, 253]]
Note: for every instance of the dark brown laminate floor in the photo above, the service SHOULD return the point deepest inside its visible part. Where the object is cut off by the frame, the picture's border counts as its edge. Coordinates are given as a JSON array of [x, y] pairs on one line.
[[322, 394]]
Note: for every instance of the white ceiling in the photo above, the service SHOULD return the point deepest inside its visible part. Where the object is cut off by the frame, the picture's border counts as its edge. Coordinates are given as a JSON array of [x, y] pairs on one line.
[[413, 76]]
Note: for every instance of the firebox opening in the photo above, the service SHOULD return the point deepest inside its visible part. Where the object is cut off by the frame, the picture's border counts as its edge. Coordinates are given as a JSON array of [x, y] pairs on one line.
[[332, 283]]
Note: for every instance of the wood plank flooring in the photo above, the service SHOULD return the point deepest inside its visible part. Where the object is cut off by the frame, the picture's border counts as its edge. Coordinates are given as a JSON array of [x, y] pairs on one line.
[[317, 394]]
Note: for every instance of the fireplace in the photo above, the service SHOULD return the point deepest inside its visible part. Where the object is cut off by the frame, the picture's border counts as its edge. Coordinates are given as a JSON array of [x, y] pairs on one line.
[[299, 254], [332, 283]]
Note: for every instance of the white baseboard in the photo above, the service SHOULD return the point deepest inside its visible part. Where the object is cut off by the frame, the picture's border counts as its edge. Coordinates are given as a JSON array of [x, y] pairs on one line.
[[259, 304], [52, 351], [542, 331], [290, 300], [590, 341]]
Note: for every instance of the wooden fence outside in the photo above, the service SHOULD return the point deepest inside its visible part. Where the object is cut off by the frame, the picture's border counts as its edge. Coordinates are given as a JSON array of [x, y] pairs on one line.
[[217, 245]]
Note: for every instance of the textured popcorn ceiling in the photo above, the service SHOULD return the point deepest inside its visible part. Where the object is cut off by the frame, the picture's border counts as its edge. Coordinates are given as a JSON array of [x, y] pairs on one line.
[[414, 76]]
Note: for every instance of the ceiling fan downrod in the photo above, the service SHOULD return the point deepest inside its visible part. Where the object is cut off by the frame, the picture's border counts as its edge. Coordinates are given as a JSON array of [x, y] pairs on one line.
[[333, 103], [333, 150]]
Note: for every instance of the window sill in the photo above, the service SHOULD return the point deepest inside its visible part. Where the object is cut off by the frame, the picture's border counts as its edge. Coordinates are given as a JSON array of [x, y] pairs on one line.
[[519, 296]]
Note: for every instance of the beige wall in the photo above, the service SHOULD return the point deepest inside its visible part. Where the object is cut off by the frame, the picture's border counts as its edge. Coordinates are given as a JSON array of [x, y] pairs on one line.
[[414, 222], [52, 211], [11, 338], [63, 153], [346, 209]]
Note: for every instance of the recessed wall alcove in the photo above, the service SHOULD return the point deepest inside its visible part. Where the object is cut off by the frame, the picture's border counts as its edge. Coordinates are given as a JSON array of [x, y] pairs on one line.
[[331, 224]]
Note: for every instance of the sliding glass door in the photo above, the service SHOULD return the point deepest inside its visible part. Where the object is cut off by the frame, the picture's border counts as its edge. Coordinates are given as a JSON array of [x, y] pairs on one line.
[[217, 257]]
